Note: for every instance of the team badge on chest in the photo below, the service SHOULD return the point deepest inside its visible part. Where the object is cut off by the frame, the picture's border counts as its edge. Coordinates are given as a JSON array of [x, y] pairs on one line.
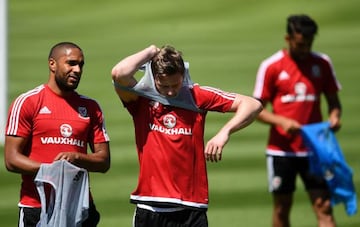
[[315, 70], [82, 111]]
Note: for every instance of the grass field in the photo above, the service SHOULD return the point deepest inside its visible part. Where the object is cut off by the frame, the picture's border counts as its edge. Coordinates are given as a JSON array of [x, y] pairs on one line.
[[224, 41]]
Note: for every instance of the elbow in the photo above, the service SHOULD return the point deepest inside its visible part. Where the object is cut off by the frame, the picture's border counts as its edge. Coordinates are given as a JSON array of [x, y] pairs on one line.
[[115, 73], [10, 167], [258, 106], [118, 71], [105, 166], [9, 161]]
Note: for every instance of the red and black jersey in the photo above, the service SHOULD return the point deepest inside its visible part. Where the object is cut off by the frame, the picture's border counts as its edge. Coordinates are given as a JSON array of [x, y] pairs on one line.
[[294, 89]]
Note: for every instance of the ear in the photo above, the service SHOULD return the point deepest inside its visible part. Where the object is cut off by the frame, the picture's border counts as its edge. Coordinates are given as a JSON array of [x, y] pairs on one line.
[[52, 64], [287, 37]]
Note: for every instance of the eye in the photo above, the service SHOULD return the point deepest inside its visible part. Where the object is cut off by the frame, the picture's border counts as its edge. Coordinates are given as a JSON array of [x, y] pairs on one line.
[[74, 63]]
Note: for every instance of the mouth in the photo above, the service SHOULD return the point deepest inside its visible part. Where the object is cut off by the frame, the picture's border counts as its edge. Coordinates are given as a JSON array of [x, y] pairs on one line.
[[74, 78]]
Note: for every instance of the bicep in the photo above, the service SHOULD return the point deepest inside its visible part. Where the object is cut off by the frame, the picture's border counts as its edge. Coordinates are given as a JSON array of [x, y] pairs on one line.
[[123, 94], [15, 158], [102, 149], [126, 96], [14, 145]]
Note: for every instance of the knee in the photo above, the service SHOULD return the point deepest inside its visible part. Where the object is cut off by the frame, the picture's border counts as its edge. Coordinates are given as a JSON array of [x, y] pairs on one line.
[[323, 206], [323, 210]]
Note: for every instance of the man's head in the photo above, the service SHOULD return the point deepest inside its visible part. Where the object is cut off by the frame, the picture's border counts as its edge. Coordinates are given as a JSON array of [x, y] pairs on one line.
[[168, 70], [66, 61], [301, 30]]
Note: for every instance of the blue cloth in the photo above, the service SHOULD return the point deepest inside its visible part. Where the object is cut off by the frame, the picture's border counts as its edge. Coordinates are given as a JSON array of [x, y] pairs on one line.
[[327, 160]]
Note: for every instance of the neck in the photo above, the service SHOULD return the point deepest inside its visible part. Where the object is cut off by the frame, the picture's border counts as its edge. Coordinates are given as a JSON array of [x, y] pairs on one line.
[[56, 89]]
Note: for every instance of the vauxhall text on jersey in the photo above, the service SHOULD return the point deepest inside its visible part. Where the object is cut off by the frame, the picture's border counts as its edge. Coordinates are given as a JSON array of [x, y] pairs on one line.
[[294, 89], [55, 124], [168, 135]]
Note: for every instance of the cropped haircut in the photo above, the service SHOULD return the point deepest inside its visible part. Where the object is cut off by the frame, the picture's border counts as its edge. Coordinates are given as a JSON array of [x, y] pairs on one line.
[[302, 24], [168, 61], [62, 45]]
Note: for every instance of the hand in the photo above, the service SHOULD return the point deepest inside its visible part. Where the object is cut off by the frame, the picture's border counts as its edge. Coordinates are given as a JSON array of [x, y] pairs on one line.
[[290, 126], [214, 147], [153, 50], [335, 123], [71, 157]]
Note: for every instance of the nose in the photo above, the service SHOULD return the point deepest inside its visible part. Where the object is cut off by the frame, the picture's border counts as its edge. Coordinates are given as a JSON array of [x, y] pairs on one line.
[[171, 92], [77, 68]]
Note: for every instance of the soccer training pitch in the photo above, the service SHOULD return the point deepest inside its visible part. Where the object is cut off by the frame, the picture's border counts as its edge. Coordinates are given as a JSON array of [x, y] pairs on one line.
[[224, 41]]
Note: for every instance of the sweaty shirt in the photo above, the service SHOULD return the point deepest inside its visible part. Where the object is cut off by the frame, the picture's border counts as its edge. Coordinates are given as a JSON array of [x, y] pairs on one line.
[[294, 90], [67, 203], [53, 124], [170, 146]]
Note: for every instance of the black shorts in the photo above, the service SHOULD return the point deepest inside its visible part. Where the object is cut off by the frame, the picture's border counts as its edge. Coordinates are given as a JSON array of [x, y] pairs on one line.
[[182, 218], [282, 172], [29, 217]]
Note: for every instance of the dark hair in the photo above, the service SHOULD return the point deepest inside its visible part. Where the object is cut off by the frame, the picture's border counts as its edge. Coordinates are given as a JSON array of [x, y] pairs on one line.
[[302, 24], [168, 61], [55, 49]]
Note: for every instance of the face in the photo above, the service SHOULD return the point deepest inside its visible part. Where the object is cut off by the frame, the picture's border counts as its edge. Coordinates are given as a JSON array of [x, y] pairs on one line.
[[169, 85], [299, 46], [67, 68]]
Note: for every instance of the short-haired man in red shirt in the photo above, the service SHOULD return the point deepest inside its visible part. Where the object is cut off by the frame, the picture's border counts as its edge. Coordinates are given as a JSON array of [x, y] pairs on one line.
[[169, 112], [292, 80], [53, 122]]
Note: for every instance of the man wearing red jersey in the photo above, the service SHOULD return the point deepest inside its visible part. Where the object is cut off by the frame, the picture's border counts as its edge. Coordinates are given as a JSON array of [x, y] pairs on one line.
[[53, 122], [169, 112], [292, 80]]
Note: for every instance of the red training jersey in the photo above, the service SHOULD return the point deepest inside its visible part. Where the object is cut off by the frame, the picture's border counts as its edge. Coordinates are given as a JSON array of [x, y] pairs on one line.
[[170, 146], [294, 89], [53, 124]]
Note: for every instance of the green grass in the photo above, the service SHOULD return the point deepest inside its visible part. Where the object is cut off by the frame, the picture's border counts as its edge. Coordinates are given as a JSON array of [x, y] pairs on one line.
[[224, 41]]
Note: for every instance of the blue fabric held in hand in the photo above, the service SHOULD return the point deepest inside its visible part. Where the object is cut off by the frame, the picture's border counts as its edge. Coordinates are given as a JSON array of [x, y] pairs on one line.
[[327, 160]]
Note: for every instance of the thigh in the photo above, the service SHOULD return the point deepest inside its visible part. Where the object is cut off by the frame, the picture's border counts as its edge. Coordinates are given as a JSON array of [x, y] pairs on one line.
[[311, 181], [281, 174], [29, 217], [196, 218], [145, 218], [184, 218]]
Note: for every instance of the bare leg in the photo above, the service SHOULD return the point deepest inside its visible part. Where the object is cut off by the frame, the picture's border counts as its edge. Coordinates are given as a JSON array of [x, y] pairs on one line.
[[281, 209], [320, 201]]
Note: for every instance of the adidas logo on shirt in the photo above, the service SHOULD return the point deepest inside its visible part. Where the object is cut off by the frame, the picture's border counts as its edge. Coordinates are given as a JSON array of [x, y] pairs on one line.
[[44, 110], [283, 76]]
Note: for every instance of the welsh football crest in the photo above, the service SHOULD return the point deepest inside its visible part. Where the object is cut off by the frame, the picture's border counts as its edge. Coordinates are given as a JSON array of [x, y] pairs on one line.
[[315, 71], [82, 111]]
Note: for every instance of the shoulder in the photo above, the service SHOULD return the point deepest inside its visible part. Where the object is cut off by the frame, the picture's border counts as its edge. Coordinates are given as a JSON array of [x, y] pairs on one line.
[[209, 91], [321, 56], [274, 58], [88, 100], [32, 94]]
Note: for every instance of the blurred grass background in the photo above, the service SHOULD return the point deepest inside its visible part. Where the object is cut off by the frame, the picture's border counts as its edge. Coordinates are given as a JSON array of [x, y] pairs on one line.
[[224, 41]]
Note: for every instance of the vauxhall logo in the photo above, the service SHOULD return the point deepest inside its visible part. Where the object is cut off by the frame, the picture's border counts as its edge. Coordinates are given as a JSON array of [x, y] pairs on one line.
[[66, 132], [169, 121]]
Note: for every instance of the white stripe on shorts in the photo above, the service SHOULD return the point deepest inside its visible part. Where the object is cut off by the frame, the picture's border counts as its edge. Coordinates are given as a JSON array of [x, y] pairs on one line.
[[160, 209]]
